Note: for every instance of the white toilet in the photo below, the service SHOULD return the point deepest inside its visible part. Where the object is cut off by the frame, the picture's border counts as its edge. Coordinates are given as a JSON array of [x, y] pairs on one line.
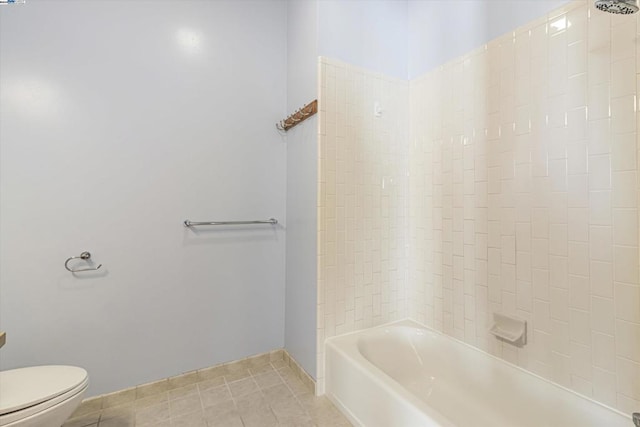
[[40, 396]]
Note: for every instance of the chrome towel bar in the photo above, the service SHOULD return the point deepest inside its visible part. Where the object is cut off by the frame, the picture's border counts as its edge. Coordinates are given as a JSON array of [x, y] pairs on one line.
[[271, 221]]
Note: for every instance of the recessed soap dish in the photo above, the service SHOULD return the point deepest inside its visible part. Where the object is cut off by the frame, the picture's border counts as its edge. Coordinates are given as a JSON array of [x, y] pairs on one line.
[[510, 329]]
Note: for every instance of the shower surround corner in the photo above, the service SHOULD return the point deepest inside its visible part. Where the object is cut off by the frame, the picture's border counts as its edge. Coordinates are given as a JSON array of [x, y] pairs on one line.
[[505, 180]]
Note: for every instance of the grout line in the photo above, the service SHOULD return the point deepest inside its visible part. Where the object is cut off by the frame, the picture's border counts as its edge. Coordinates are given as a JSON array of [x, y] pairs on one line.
[[201, 403]]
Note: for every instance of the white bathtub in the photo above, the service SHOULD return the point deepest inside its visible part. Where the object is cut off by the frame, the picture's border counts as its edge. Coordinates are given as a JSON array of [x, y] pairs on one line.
[[403, 374]]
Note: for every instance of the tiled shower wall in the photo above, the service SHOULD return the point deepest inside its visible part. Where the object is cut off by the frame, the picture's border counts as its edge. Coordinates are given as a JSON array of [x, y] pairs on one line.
[[362, 201], [524, 199]]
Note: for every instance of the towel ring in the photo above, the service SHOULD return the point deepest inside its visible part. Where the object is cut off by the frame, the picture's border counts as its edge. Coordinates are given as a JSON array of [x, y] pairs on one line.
[[85, 256]]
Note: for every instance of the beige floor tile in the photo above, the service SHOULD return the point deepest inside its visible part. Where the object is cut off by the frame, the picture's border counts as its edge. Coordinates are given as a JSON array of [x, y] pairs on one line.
[[243, 387], [268, 379], [328, 416], [287, 408], [118, 422], [223, 414], [215, 382], [261, 417], [311, 402], [251, 401], [83, 420], [194, 419], [277, 393], [334, 422], [165, 423], [321, 410], [221, 410], [152, 415], [182, 392], [185, 405], [151, 400], [272, 396], [227, 421], [296, 421], [286, 372], [215, 395]]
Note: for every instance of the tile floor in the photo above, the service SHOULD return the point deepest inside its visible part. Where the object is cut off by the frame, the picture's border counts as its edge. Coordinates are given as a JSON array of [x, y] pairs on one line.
[[268, 395]]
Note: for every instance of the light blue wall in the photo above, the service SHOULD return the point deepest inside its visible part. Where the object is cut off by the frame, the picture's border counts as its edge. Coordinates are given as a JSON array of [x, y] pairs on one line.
[[127, 126], [440, 30], [302, 177], [372, 34], [118, 121], [406, 38]]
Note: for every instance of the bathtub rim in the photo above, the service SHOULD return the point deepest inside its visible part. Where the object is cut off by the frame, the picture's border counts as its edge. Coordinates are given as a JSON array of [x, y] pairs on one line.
[[372, 373], [414, 400]]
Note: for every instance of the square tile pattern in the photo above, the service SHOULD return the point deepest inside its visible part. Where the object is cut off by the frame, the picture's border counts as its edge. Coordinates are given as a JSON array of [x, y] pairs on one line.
[[515, 190], [362, 201], [232, 395]]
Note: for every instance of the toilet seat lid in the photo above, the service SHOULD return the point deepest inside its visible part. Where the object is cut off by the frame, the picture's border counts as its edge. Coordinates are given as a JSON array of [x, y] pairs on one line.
[[24, 387]]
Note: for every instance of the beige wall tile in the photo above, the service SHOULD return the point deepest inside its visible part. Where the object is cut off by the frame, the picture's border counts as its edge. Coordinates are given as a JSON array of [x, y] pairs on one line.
[[570, 175], [362, 210], [521, 196]]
